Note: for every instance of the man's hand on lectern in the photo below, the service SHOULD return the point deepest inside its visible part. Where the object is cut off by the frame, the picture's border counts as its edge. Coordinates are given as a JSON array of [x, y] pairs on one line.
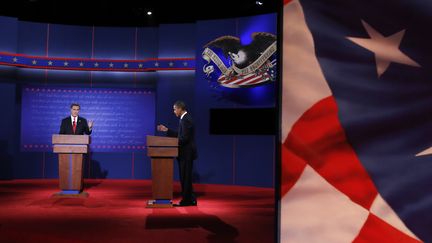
[[162, 128]]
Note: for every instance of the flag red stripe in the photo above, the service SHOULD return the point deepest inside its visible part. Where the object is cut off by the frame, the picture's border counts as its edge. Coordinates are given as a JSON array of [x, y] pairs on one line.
[[244, 80], [319, 139], [261, 79], [377, 230]]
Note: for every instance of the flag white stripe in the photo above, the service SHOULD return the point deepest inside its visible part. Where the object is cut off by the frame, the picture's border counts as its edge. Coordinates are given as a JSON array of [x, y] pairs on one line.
[[237, 80], [303, 81], [252, 80], [316, 212], [381, 209]]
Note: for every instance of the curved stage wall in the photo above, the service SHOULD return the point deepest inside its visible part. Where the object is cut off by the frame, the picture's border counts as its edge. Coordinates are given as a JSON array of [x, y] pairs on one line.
[[223, 159]]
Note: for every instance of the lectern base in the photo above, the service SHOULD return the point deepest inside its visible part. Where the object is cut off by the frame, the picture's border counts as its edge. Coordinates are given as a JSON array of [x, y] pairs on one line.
[[159, 203], [71, 194]]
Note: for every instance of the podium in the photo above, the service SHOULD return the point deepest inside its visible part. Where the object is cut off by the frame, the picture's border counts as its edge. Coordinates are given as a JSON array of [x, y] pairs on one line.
[[162, 151], [70, 150]]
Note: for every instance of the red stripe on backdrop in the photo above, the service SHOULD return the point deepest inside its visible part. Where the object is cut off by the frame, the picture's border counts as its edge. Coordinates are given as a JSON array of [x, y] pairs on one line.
[[376, 230], [318, 139]]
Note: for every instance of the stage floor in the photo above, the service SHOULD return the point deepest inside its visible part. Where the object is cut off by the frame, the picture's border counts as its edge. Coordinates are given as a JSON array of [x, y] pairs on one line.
[[115, 212]]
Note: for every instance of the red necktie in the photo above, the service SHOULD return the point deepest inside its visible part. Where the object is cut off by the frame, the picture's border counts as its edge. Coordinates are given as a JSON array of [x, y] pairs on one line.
[[74, 125]]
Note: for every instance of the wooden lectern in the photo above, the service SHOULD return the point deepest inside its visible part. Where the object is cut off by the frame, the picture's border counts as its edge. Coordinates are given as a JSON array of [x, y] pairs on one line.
[[162, 151], [70, 149]]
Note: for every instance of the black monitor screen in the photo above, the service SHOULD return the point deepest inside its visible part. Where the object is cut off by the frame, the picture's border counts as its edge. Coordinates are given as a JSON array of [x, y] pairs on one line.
[[243, 121]]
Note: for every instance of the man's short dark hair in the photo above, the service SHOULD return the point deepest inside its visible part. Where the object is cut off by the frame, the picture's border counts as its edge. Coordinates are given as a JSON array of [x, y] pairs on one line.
[[180, 104], [75, 104]]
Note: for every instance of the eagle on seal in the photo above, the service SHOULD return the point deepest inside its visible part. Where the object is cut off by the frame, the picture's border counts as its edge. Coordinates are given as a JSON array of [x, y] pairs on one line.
[[243, 55]]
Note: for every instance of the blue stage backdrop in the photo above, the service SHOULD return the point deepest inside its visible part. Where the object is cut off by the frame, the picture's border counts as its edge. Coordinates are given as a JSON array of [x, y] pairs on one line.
[[122, 117]]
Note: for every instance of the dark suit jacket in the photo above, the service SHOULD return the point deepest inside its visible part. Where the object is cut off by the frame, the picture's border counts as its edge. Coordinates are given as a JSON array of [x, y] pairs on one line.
[[186, 136], [81, 129]]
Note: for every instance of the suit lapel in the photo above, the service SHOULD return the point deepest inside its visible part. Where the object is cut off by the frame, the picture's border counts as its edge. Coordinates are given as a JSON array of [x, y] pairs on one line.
[[180, 127], [78, 124], [69, 125]]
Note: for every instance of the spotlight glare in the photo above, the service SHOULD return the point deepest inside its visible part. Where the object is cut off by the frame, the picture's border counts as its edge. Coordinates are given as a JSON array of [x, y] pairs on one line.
[[149, 13], [259, 3]]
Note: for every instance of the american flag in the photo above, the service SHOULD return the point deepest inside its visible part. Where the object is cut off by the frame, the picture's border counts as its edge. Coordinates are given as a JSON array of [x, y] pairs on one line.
[[265, 73], [244, 80], [356, 121]]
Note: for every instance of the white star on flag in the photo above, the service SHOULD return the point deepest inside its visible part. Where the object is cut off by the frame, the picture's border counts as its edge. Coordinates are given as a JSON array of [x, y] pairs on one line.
[[386, 49], [49, 63], [34, 62], [15, 59], [81, 64], [111, 65], [66, 63]]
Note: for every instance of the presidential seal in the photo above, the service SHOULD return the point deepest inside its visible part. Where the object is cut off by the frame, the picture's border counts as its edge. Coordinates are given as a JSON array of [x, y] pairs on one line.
[[234, 65]]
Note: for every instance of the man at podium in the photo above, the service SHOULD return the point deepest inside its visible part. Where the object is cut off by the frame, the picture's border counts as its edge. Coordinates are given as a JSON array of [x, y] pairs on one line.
[[187, 151], [71, 150], [74, 124]]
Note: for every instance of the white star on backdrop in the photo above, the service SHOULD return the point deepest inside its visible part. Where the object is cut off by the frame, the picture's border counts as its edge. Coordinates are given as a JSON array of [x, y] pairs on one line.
[[386, 49]]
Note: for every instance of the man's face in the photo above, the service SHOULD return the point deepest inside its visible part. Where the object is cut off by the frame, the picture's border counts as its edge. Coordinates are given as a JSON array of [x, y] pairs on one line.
[[177, 111], [75, 110]]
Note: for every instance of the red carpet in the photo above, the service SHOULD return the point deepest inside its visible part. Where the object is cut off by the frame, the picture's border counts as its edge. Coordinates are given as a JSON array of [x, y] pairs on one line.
[[115, 212]]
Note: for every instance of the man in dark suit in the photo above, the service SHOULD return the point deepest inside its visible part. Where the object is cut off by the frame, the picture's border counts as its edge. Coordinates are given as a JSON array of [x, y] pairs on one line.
[[74, 124], [187, 151]]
